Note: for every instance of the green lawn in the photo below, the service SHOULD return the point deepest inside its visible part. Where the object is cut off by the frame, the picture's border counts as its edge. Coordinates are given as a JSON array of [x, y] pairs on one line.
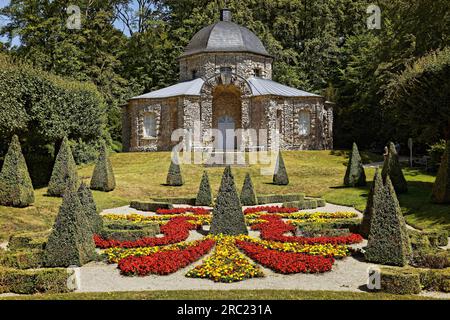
[[317, 173], [222, 295]]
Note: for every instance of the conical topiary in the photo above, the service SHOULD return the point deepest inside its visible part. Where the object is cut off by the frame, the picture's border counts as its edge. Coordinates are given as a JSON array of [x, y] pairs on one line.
[[368, 213], [248, 194], [103, 176], [88, 203], [393, 169], [355, 175], [64, 175], [174, 176], [228, 217], [280, 176], [71, 240], [389, 243], [204, 196], [441, 188], [16, 188]]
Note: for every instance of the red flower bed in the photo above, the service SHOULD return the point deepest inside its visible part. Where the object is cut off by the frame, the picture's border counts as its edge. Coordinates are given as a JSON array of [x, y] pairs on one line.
[[165, 262], [176, 230], [274, 229], [199, 211], [270, 209], [286, 262]]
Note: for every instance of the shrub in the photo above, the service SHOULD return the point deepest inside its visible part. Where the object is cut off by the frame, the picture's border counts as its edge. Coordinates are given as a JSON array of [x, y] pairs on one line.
[[28, 240], [355, 175], [430, 280], [388, 237], [441, 188], [174, 176], [436, 153], [64, 175], [204, 196], [419, 240], [150, 206], [306, 204], [248, 194], [103, 176], [28, 259], [280, 198], [400, 281], [280, 176], [118, 234], [71, 241], [177, 200], [437, 238], [432, 259], [228, 217], [90, 209], [393, 169], [368, 212], [16, 188]]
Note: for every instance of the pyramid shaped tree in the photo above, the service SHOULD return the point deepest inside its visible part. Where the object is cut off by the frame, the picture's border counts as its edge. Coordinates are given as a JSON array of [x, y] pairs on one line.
[[204, 196], [441, 188], [355, 175], [280, 176], [393, 169], [228, 217], [389, 243], [376, 188], [71, 240], [248, 194], [90, 208], [103, 176], [64, 175], [174, 176], [16, 188]]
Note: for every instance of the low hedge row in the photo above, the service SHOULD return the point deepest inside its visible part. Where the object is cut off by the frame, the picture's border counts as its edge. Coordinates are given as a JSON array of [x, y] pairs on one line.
[[280, 198], [431, 258], [350, 224], [28, 240], [306, 204], [34, 281], [23, 259], [421, 240], [150, 206], [129, 232], [186, 201]]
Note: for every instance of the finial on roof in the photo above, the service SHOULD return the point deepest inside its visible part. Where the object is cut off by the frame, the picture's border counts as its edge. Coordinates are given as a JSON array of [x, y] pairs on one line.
[[225, 15]]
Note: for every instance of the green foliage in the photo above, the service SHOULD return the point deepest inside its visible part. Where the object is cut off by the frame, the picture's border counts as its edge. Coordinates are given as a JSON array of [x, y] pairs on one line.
[[174, 176], [280, 198], [90, 209], [177, 200], [368, 212], [204, 196], [228, 217], [16, 188], [389, 242], [23, 260], [103, 177], [150, 206], [129, 232], [436, 152], [355, 175], [248, 194], [441, 188], [431, 259], [64, 175], [71, 241], [280, 176], [400, 281], [393, 169], [28, 241]]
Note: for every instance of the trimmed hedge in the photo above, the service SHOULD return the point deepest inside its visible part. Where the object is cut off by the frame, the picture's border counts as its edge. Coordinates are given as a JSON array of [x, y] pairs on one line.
[[441, 187], [174, 176], [389, 241], [431, 259], [103, 177], [280, 198], [368, 212], [393, 170], [16, 188], [24, 259], [351, 224], [177, 200], [248, 194], [28, 240], [150, 206], [403, 282], [428, 238], [355, 175], [90, 208], [34, 281], [71, 241], [123, 231], [280, 176], [306, 204], [64, 175], [227, 217], [204, 195]]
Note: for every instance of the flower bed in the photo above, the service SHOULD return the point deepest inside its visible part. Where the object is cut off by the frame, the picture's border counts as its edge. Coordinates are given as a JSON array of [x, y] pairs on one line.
[[165, 262], [161, 219], [286, 262], [227, 264]]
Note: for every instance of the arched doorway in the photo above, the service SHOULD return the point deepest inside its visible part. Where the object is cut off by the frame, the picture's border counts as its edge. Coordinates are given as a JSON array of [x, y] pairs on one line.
[[226, 140]]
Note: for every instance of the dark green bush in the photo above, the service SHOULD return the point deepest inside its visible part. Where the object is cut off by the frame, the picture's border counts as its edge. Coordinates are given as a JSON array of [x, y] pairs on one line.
[[280, 176], [127, 233], [24, 259], [437, 238], [71, 241], [64, 175], [28, 240], [280, 198], [306, 204], [204, 195], [84, 152], [103, 177], [393, 169], [177, 200], [389, 242], [368, 212], [150, 206], [228, 217], [16, 188], [400, 281], [431, 259], [441, 188], [90, 208], [355, 175], [248, 194], [419, 240], [436, 151], [174, 176]]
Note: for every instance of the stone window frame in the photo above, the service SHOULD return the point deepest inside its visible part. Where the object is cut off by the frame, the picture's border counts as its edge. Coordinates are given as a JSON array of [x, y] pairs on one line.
[[298, 109], [156, 111]]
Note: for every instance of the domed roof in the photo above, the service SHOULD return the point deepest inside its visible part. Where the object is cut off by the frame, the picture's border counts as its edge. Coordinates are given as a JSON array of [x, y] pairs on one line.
[[225, 36]]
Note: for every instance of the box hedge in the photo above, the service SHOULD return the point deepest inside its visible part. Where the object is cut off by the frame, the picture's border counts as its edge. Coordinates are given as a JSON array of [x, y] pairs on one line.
[[441, 187], [129, 232], [280, 176], [401, 281], [95, 221], [174, 176], [23, 259], [177, 200], [204, 195], [248, 194], [355, 175], [150, 206], [103, 176], [280, 198], [28, 240], [393, 170]]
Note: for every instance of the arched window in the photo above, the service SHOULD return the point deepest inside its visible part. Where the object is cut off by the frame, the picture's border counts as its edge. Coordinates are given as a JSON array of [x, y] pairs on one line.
[[304, 123], [149, 125]]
